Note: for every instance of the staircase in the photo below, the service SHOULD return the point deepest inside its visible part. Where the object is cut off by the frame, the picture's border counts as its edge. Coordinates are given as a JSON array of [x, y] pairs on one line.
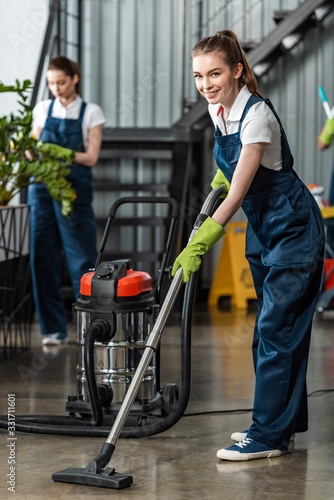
[[291, 27]]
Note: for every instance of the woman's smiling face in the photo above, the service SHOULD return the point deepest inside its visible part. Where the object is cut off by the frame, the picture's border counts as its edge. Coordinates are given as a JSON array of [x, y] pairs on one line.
[[214, 78]]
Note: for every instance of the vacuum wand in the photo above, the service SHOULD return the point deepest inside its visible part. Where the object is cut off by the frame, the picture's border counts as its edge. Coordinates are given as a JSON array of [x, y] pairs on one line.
[[150, 348], [94, 474]]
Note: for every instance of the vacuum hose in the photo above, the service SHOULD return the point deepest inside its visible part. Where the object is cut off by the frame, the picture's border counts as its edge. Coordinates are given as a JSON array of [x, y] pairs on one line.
[[68, 425], [73, 426], [185, 380], [99, 330]]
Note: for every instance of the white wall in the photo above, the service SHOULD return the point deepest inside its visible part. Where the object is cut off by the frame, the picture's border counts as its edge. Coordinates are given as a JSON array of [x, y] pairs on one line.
[[22, 28]]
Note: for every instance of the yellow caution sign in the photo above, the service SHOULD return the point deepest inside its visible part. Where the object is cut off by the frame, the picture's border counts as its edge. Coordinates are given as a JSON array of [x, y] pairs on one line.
[[327, 212], [233, 276]]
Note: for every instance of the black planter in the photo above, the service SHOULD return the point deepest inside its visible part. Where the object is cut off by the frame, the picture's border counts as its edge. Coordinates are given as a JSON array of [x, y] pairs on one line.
[[16, 302]]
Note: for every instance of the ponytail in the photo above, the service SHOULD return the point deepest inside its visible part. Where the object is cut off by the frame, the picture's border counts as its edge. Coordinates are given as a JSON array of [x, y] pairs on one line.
[[227, 43]]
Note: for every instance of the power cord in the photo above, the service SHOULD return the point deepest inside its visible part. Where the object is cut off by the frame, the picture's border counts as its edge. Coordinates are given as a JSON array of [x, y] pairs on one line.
[[245, 410], [241, 410], [319, 390]]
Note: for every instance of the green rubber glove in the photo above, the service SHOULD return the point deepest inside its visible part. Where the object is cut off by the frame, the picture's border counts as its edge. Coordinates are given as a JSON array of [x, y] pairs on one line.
[[327, 135], [190, 258], [219, 179]]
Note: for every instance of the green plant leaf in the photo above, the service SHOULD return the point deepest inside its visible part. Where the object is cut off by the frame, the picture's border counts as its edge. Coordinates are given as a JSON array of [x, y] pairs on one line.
[[51, 165]]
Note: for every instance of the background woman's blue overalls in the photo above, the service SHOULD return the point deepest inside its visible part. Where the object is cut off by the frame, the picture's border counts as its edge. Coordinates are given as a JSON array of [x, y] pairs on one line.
[[284, 247], [50, 231]]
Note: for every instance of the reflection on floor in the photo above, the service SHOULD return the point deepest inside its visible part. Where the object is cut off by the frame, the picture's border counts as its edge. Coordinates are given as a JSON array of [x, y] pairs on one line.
[[179, 464]]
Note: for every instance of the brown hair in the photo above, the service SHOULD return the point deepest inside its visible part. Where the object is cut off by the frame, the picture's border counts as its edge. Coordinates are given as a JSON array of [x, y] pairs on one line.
[[69, 67], [227, 43]]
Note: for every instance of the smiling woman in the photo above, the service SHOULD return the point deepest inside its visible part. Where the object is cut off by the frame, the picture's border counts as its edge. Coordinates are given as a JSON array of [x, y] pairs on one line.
[[216, 81], [284, 240]]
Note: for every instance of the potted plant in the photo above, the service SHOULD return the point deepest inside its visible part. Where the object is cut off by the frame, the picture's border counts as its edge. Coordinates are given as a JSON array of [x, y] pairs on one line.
[[48, 162]]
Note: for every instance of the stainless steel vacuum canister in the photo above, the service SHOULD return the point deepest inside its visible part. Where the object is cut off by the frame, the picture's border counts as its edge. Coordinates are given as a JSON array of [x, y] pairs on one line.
[[124, 299]]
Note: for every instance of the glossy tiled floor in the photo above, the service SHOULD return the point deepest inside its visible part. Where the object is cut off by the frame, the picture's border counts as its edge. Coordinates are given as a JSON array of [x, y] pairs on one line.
[[179, 464]]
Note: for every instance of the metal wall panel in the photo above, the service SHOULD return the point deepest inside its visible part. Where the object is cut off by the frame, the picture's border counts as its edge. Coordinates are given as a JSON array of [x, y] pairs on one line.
[[133, 60], [292, 85]]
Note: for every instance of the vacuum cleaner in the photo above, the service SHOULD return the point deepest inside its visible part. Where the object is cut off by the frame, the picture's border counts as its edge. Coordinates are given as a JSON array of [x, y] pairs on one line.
[[119, 326], [96, 473], [115, 314]]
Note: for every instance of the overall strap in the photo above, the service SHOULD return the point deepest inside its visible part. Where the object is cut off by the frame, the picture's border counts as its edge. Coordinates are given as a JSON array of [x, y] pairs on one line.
[[287, 157], [252, 100], [269, 103], [82, 111], [51, 108]]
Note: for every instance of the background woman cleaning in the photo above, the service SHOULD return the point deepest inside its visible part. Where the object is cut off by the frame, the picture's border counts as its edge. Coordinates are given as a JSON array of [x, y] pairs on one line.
[[72, 123]]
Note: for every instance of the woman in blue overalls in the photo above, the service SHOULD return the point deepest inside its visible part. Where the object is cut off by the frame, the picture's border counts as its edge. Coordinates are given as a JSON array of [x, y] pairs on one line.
[[74, 124], [284, 241]]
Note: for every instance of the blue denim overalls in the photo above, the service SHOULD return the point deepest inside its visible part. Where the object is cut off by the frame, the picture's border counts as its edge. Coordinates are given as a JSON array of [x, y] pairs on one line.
[[50, 231], [284, 247]]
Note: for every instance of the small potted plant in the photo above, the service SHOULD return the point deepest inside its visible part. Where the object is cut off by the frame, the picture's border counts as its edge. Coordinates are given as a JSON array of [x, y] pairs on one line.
[[23, 160], [48, 163]]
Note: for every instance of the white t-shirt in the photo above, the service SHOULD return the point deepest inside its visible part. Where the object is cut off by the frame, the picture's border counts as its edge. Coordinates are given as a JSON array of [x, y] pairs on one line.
[[93, 115], [259, 125]]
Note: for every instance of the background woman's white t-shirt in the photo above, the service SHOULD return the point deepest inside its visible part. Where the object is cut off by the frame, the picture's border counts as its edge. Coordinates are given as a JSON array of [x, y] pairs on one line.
[[93, 115]]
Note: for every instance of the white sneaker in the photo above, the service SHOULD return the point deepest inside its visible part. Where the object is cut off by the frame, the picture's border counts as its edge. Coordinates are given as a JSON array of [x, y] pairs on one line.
[[55, 339], [247, 450], [240, 436]]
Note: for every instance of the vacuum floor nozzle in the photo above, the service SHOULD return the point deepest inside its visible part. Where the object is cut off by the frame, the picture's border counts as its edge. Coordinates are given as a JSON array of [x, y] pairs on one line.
[[107, 478]]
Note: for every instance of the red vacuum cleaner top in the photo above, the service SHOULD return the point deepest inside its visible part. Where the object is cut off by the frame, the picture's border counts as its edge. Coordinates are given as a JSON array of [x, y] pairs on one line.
[[134, 283]]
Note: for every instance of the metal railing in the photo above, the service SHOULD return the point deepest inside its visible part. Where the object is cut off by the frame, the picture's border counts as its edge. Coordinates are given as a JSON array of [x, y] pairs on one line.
[[63, 36], [262, 56]]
